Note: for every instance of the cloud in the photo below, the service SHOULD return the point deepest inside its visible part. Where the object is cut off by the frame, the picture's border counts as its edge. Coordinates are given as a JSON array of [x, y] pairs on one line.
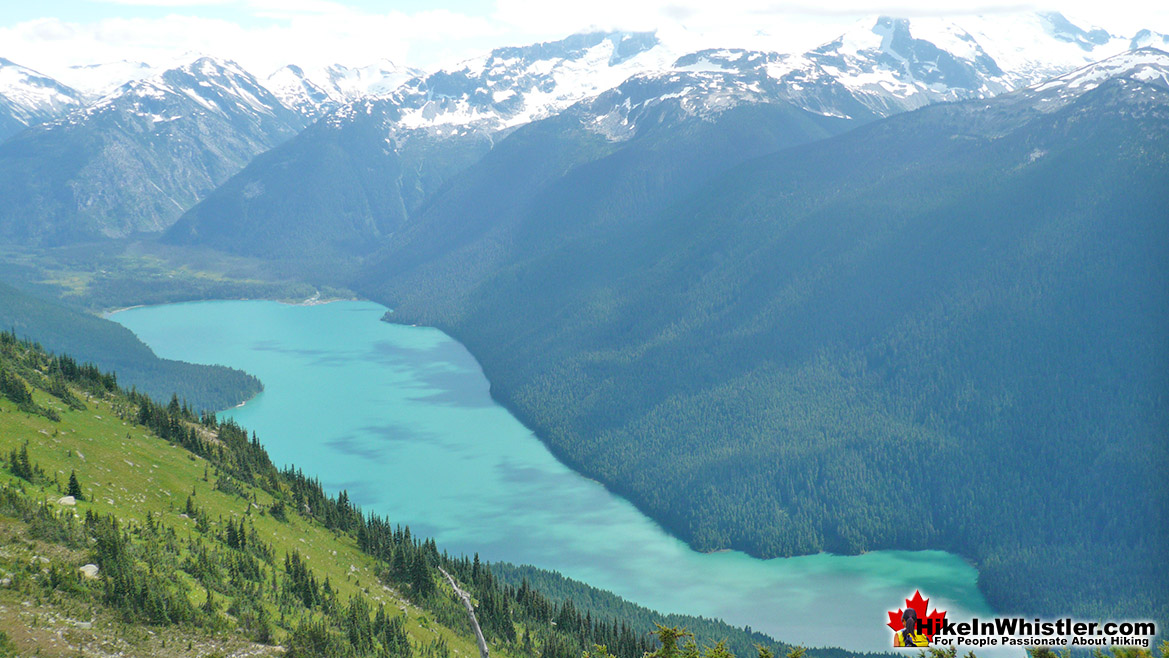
[[294, 7], [266, 34], [166, 3], [306, 32]]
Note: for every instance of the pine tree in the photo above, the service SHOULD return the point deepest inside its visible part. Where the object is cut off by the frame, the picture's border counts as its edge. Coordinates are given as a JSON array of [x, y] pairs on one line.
[[74, 487], [209, 604], [668, 636], [232, 535], [421, 580], [21, 465]]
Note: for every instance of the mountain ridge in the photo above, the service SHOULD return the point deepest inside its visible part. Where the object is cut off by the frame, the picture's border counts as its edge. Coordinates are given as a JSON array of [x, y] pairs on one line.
[[134, 160], [872, 71], [28, 98]]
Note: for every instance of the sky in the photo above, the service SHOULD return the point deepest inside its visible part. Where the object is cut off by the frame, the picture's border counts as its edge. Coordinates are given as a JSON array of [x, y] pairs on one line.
[[263, 35]]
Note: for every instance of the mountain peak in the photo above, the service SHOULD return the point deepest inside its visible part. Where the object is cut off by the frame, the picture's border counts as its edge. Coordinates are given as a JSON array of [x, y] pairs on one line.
[[514, 85], [28, 98], [1062, 29], [294, 89], [1148, 38], [209, 66], [1144, 66]]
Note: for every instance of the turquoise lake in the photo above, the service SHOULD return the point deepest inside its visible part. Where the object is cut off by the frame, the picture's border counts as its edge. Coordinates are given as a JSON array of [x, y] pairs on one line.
[[402, 418]]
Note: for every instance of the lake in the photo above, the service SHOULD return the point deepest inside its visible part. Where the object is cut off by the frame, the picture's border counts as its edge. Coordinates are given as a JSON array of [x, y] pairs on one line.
[[402, 418]]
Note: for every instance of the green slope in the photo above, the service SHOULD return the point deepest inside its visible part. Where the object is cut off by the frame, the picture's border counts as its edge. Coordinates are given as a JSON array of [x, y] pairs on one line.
[[177, 510], [113, 347]]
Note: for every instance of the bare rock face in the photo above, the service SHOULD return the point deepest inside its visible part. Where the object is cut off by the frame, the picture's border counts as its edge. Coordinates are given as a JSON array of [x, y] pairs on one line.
[[89, 571], [67, 501]]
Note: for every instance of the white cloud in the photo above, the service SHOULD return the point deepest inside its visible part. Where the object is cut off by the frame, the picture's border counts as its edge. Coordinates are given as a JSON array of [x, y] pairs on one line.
[[271, 33], [293, 7], [794, 25], [306, 32], [166, 3]]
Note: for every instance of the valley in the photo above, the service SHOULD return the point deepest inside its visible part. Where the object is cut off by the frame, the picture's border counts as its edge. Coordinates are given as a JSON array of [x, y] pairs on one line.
[[401, 418], [747, 335]]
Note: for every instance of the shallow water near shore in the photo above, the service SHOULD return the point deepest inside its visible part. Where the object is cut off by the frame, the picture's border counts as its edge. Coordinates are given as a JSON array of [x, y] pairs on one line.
[[402, 418]]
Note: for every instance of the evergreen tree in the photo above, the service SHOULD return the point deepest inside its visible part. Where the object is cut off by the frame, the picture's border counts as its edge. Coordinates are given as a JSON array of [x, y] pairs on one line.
[[668, 636], [20, 464], [74, 486]]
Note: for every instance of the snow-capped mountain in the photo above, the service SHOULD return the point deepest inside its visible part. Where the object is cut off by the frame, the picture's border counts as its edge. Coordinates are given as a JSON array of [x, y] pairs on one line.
[[1149, 39], [1132, 83], [136, 159], [206, 119], [880, 67], [1032, 47], [376, 79], [1145, 66], [889, 69], [887, 65], [28, 98], [297, 92], [662, 101], [515, 85], [314, 93], [406, 145], [204, 87]]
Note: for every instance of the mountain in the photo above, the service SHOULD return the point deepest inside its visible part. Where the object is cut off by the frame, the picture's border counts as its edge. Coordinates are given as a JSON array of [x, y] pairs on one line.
[[297, 92], [342, 189], [889, 69], [939, 330], [357, 175], [135, 160], [111, 346], [1035, 46], [28, 98], [376, 79], [606, 162], [887, 65], [1147, 66], [318, 92], [1150, 39]]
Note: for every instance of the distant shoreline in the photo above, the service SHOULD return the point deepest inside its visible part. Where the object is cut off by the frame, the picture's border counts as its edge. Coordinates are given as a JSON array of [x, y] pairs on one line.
[[315, 300]]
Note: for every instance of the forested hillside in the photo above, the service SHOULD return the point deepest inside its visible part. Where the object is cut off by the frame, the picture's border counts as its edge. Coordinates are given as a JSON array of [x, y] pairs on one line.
[[328, 194], [941, 330], [112, 347], [556, 185], [199, 544]]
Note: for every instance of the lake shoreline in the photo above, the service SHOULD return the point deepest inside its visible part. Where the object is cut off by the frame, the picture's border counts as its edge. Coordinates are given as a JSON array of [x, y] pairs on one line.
[[465, 470]]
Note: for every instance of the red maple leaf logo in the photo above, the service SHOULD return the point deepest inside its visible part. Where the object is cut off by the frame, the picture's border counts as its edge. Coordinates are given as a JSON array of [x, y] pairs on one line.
[[929, 623]]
